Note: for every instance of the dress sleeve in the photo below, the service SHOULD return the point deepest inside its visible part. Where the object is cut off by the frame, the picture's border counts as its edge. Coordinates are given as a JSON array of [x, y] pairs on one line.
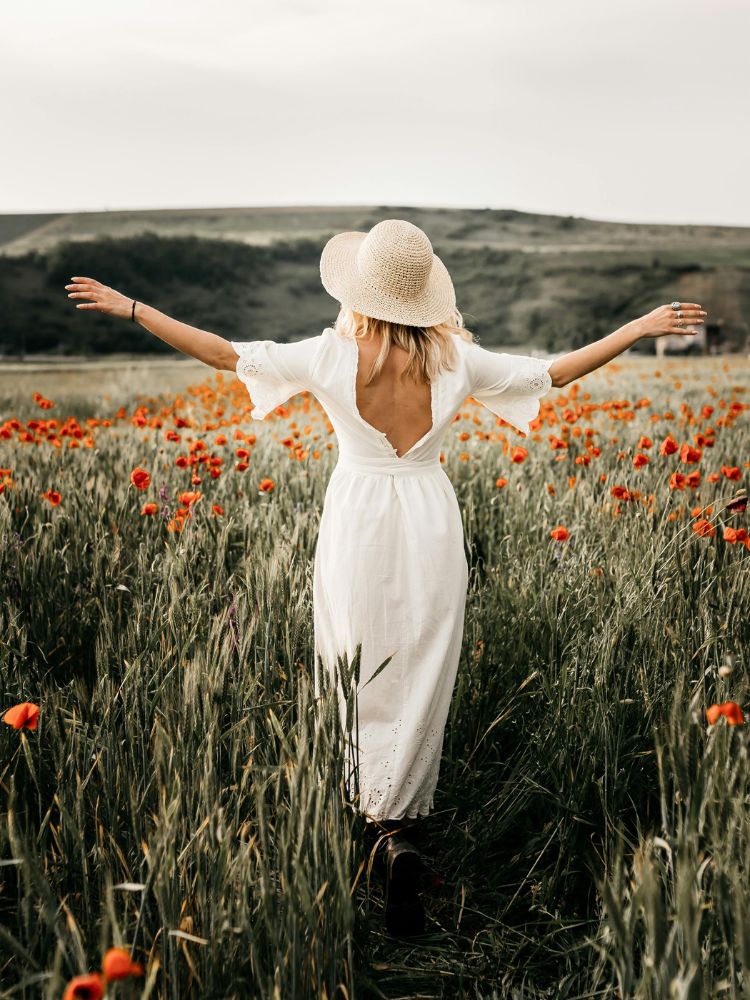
[[273, 373], [510, 385]]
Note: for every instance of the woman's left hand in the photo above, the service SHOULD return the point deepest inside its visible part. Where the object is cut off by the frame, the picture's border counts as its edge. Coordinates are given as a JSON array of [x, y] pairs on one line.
[[103, 299]]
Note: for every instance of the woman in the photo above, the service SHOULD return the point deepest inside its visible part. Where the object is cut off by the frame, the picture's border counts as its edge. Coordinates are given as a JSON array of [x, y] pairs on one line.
[[390, 574]]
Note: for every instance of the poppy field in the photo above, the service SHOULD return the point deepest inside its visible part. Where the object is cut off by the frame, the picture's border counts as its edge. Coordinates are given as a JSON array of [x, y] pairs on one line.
[[174, 816]]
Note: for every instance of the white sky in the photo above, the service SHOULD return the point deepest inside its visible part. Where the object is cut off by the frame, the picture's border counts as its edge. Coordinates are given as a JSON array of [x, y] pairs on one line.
[[630, 111]]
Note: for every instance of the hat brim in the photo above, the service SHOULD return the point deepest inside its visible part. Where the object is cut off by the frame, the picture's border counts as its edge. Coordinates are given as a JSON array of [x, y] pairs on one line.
[[341, 278]]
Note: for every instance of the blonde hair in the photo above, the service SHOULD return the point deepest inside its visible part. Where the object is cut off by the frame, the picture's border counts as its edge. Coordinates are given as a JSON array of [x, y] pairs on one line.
[[430, 348]]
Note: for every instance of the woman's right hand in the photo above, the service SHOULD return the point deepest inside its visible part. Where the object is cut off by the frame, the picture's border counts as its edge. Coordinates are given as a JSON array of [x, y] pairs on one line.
[[103, 298], [663, 320]]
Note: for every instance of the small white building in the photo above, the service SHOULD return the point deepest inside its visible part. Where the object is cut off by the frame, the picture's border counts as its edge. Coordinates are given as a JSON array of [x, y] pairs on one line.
[[677, 343]]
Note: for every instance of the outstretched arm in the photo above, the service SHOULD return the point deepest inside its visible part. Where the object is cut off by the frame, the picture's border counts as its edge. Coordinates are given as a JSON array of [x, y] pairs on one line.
[[658, 323], [206, 347]]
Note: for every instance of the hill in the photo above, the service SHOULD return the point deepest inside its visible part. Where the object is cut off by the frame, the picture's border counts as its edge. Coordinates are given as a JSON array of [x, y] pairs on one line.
[[522, 279]]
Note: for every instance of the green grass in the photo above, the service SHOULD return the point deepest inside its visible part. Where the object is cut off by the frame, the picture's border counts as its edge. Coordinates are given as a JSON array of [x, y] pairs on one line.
[[184, 796]]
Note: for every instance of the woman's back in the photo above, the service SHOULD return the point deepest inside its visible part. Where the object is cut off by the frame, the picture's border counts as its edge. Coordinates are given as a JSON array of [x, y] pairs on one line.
[[394, 404]]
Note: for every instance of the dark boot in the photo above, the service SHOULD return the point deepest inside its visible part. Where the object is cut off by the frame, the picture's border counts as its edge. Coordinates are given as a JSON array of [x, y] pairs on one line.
[[402, 870]]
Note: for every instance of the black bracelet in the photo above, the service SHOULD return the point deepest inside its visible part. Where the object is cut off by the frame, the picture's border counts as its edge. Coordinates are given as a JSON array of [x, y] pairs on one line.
[[132, 312]]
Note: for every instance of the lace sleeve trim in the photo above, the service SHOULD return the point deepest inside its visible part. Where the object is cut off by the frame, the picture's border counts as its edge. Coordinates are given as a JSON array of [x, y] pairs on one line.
[[533, 378], [266, 388], [520, 404]]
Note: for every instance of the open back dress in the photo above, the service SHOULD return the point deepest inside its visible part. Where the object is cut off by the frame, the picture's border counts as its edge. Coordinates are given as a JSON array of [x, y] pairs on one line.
[[390, 570]]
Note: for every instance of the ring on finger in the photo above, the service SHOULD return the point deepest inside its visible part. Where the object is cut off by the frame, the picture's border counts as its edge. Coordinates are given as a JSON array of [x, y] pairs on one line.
[[675, 305]]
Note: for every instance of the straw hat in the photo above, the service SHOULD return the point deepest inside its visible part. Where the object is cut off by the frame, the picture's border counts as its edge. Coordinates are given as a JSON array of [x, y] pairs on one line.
[[389, 273]]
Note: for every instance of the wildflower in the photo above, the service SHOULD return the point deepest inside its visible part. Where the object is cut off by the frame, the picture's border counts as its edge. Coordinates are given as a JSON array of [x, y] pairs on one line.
[[689, 455], [22, 716], [560, 534], [117, 964], [731, 472], [734, 535], [729, 709], [216, 509], [701, 510], [518, 454], [140, 478], [621, 493], [45, 404], [703, 527], [668, 446], [188, 498], [501, 482], [52, 496], [90, 986], [149, 508], [266, 485]]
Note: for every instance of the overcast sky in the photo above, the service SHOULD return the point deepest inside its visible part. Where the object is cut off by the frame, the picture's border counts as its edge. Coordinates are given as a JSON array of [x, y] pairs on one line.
[[629, 111]]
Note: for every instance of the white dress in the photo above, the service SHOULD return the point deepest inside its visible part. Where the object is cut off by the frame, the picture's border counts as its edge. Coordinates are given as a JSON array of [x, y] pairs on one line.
[[390, 570]]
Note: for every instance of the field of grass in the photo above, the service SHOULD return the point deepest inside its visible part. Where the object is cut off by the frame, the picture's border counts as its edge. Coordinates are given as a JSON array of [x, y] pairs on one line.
[[181, 794]]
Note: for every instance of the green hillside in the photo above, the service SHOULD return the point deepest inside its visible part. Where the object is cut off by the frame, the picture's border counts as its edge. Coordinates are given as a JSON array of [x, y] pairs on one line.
[[522, 279]]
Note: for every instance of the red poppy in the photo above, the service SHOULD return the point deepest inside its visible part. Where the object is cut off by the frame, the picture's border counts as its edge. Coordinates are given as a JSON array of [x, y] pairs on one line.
[[149, 508], [734, 535], [117, 964], [731, 472], [52, 496], [689, 455], [140, 478], [189, 498], [729, 709], [560, 534], [23, 716], [668, 446], [45, 404], [87, 987], [266, 485], [704, 527]]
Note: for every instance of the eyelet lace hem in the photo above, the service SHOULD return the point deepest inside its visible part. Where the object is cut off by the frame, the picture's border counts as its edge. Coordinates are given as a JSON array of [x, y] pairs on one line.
[[414, 795]]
